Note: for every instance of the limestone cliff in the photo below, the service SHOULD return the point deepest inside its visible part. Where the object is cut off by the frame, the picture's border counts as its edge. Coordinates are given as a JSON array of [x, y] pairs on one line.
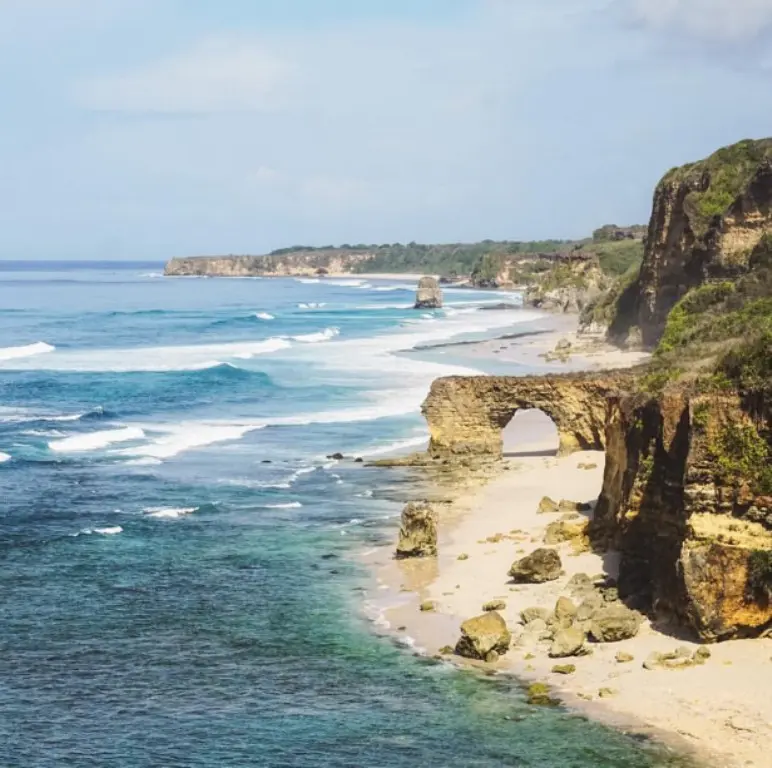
[[707, 219], [687, 501], [466, 415], [298, 263]]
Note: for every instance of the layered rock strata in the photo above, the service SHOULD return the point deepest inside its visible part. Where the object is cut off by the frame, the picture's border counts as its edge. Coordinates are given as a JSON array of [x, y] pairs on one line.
[[466, 415]]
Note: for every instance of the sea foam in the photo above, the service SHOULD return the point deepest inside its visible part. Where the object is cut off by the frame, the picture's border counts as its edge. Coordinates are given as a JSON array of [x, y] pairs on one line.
[[4, 457], [30, 350], [168, 513], [93, 441]]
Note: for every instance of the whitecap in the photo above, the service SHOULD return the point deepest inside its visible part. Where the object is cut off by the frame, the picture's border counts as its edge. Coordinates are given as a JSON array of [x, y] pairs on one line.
[[5, 457], [168, 513], [289, 505], [29, 350], [264, 316], [109, 531], [314, 338], [312, 305], [161, 359], [95, 440], [307, 280], [186, 437]]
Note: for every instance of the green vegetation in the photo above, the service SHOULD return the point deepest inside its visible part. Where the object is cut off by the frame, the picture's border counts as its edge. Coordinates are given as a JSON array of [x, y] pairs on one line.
[[727, 172], [760, 575], [604, 309], [613, 233], [742, 454], [485, 260]]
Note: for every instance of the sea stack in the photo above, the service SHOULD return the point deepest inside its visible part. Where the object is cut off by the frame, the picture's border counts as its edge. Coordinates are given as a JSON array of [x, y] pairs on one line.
[[429, 295]]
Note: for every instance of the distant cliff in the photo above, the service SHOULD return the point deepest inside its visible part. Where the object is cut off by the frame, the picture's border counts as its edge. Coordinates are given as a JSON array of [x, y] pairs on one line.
[[277, 265]]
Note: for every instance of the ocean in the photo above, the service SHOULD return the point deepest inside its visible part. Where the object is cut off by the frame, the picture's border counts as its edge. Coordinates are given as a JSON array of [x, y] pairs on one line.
[[179, 574]]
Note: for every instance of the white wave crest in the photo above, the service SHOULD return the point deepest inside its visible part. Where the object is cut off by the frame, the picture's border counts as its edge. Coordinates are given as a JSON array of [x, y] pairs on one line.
[[158, 359], [264, 316], [185, 437], [312, 305], [315, 338], [109, 531], [95, 440], [168, 513], [307, 280], [29, 350], [289, 505], [5, 457]]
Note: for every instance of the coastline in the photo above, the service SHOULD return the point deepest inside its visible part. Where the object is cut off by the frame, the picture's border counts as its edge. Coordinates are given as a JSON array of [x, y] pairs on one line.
[[719, 714]]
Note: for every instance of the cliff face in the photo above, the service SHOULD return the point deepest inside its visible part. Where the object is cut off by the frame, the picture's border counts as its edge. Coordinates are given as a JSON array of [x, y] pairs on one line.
[[300, 263], [466, 415], [684, 500], [707, 219]]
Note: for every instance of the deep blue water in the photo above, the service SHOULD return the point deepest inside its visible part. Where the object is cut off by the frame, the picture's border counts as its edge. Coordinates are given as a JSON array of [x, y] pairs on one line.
[[168, 597]]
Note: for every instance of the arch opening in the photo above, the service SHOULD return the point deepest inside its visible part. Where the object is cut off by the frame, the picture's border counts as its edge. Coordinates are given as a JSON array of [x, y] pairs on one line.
[[530, 432]]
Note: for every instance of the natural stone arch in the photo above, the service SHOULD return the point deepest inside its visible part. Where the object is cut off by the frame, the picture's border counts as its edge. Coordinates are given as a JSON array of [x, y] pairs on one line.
[[466, 414], [530, 432]]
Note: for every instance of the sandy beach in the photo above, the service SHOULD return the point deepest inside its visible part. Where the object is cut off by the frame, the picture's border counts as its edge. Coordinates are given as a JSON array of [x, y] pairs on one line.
[[720, 711]]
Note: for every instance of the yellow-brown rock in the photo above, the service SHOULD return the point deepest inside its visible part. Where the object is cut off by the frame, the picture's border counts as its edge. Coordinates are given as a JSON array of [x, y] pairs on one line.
[[466, 415], [483, 634]]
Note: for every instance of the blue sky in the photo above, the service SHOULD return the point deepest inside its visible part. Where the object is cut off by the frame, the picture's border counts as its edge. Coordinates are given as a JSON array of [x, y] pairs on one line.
[[153, 128]]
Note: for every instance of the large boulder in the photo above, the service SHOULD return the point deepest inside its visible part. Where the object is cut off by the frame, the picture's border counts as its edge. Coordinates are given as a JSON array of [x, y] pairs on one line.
[[418, 533], [567, 642], [614, 623], [540, 566], [483, 634], [429, 295]]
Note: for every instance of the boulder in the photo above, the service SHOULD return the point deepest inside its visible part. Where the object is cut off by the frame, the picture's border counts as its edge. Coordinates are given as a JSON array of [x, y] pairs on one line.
[[624, 658], [418, 534], [483, 634], [573, 506], [529, 615], [567, 642], [547, 506], [428, 606], [564, 669], [429, 294], [494, 605], [591, 603], [540, 566], [565, 611], [562, 531], [614, 623]]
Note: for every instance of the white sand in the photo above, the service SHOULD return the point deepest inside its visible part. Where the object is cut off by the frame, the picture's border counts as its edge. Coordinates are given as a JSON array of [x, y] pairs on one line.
[[722, 709]]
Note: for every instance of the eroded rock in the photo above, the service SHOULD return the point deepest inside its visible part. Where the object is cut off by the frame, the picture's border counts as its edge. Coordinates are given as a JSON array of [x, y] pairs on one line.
[[614, 623], [429, 294], [483, 634], [418, 534], [567, 642], [540, 566]]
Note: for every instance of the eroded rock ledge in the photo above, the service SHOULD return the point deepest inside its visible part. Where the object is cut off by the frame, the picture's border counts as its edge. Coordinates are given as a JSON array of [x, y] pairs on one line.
[[466, 414], [687, 492]]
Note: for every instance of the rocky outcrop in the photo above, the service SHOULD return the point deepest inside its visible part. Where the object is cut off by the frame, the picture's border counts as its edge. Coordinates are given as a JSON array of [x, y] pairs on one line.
[[429, 294], [569, 287], [707, 219], [418, 533], [298, 263], [466, 415], [687, 501], [483, 636], [540, 566]]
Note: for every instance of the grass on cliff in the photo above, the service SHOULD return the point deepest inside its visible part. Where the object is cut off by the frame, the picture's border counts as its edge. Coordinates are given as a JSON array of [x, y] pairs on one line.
[[719, 179], [605, 308]]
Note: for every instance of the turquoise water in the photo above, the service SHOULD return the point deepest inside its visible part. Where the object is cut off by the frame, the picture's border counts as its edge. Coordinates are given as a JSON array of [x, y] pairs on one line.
[[176, 551]]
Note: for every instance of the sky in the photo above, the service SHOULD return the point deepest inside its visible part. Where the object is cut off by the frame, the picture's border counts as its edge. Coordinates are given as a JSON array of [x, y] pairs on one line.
[[146, 129]]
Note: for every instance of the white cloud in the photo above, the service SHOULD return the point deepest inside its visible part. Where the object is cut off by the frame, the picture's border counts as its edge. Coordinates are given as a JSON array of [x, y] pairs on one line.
[[215, 76], [719, 20]]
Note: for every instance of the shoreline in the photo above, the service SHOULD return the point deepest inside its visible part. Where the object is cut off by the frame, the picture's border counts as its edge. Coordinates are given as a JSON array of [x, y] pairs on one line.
[[717, 714]]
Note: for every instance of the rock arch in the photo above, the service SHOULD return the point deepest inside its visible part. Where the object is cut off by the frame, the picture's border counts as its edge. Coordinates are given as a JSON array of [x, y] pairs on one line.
[[466, 414]]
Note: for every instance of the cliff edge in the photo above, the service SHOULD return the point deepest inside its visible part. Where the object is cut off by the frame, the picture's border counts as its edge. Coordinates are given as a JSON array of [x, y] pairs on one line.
[[708, 218]]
